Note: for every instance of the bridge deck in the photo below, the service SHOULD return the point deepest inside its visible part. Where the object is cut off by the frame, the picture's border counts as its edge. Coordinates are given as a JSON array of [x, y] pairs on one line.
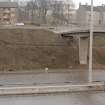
[[78, 30]]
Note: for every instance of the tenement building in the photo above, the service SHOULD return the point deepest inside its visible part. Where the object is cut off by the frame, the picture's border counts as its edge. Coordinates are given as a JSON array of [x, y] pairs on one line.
[[84, 15], [8, 13]]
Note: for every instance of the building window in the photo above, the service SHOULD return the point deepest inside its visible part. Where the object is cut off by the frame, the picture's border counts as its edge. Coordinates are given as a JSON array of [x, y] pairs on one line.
[[99, 21], [6, 9], [6, 19], [6, 14]]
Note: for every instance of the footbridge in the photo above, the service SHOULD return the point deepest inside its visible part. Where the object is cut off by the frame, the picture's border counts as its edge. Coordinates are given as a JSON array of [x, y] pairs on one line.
[[80, 35]]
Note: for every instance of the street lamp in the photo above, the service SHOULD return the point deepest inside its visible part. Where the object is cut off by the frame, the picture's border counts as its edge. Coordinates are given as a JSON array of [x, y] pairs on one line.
[[90, 79]]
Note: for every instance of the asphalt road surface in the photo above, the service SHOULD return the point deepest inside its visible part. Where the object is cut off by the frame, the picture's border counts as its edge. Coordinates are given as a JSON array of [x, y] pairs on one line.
[[83, 98], [55, 99], [45, 78]]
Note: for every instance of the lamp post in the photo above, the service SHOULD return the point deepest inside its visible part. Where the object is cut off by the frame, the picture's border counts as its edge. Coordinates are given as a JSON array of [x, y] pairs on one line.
[[90, 78]]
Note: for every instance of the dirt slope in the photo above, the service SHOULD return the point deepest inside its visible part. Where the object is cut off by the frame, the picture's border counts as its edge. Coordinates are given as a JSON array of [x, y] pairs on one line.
[[38, 48], [34, 48]]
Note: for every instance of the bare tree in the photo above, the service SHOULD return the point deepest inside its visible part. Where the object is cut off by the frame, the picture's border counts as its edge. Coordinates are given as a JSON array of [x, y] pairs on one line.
[[38, 8], [43, 6], [58, 12], [31, 8]]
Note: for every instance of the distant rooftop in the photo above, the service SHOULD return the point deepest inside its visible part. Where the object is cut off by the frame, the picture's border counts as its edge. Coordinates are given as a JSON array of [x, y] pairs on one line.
[[8, 4]]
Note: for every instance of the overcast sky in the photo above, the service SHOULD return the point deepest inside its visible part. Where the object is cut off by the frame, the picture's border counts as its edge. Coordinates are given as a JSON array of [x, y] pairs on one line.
[[96, 2]]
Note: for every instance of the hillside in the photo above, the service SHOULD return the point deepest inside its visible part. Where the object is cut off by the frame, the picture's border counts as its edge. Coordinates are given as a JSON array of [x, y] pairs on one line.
[[38, 48], [34, 49]]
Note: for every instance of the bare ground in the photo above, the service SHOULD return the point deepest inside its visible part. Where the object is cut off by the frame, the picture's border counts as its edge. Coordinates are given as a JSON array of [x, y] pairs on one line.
[[27, 49]]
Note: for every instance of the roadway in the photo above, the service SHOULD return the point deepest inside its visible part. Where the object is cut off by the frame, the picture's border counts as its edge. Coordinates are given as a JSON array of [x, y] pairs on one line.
[[86, 98], [48, 78]]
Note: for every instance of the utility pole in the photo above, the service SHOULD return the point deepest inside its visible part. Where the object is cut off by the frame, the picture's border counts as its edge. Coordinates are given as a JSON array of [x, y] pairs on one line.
[[68, 11], [90, 76]]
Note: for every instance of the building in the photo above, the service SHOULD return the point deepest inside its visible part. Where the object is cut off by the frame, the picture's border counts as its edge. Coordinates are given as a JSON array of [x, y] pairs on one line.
[[64, 10], [69, 11], [8, 13], [83, 15]]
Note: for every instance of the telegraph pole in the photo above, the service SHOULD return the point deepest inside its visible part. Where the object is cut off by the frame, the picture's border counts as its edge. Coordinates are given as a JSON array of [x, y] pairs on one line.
[[90, 76]]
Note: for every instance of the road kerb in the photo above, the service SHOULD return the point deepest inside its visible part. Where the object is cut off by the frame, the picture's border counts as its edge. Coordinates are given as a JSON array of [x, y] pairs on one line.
[[96, 86]]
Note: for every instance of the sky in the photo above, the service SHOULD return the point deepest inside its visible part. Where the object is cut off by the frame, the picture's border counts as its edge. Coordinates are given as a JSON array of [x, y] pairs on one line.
[[96, 2], [76, 2]]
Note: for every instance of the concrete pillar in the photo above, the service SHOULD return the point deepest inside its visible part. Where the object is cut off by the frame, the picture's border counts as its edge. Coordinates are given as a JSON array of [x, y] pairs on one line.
[[83, 49]]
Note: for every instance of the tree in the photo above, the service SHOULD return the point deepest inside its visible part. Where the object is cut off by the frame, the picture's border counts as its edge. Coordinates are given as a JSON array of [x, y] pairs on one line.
[[38, 8], [31, 8], [43, 6], [58, 12]]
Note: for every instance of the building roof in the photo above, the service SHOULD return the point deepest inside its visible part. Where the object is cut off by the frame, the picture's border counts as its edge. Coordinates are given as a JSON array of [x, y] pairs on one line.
[[8, 4]]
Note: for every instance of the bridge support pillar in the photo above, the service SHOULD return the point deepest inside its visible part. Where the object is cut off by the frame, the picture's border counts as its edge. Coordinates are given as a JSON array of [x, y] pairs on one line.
[[83, 50]]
